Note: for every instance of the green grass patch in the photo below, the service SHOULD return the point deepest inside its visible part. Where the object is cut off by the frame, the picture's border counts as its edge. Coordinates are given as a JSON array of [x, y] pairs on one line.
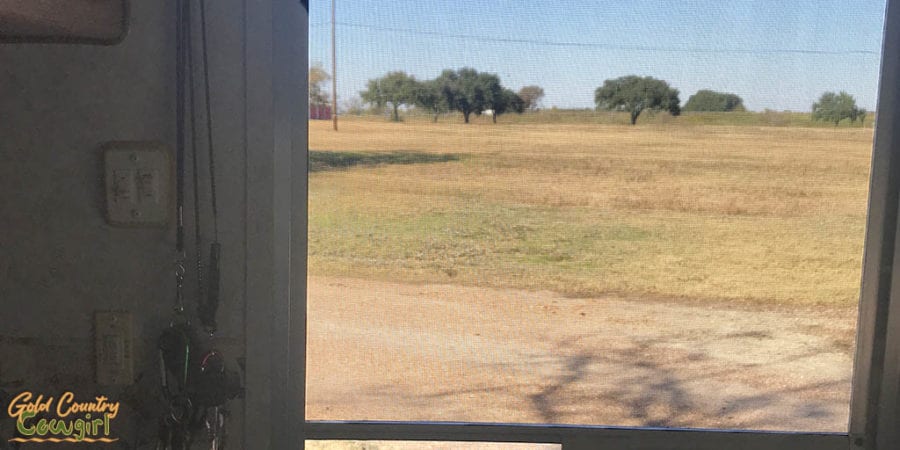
[[581, 252]]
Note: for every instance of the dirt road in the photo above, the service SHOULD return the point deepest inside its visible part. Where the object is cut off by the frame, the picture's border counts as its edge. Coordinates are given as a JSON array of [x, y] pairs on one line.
[[388, 351]]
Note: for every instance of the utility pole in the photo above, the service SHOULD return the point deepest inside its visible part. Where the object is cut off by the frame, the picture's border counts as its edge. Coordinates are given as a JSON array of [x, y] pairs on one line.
[[333, 71]]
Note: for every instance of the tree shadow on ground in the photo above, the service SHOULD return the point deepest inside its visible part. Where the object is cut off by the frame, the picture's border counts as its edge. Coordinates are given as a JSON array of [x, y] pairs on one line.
[[337, 160], [640, 384]]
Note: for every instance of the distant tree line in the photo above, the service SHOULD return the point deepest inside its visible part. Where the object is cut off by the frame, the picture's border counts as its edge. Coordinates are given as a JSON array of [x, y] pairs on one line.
[[464, 90], [468, 91], [634, 94]]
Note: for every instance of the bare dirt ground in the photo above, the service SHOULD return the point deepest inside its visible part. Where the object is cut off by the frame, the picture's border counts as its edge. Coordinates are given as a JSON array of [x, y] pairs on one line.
[[389, 351]]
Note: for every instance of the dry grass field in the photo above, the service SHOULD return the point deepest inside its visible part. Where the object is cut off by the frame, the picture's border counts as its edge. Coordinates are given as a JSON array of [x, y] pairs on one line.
[[664, 210], [672, 274]]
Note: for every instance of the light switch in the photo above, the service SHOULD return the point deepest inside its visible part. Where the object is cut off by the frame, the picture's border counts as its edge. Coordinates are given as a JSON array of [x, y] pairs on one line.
[[148, 185], [123, 186], [138, 183], [113, 347]]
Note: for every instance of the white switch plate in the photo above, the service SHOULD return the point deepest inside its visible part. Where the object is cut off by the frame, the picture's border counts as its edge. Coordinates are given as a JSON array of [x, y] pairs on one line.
[[138, 183], [113, 347]]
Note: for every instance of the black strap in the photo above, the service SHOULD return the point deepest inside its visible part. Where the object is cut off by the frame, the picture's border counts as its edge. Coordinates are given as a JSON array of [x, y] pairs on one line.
[[195, 166], [179, 124], [209, 122], [173, 434], [180, 63], [208, 306]]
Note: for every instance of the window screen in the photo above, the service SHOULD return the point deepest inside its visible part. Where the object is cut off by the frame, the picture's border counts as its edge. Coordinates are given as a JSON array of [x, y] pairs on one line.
[[632, 213]]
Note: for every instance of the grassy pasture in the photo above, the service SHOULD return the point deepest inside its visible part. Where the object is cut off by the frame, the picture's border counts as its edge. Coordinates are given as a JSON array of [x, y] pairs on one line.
[[669, 209]]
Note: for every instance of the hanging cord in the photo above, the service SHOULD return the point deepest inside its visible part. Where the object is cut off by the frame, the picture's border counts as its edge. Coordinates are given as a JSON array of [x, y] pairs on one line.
[[196, 393], [179, 159], [175, 343], [194, 159], [209, 124], [207, 310]]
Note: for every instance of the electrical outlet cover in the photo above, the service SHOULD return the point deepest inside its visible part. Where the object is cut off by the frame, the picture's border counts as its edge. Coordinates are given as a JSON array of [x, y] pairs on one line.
[[113, 340]]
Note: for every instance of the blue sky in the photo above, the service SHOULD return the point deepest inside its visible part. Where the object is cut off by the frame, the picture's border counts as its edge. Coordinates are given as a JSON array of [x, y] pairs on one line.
[[775, 54]]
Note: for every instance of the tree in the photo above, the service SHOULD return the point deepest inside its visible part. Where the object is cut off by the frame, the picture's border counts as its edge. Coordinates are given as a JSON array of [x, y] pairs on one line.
[[430, 96], [531, 97], [634, 94], [507, 101], [859, 113], [489, 95], [706, 100], [468, 91], [394, 89], [464, 90], [834, 108], [446, 84], [317, 76]]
